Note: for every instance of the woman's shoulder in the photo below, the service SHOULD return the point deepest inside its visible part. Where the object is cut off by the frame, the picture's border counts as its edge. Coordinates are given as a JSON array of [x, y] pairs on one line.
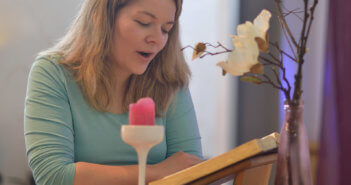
[[49, 63], [47, 60], [48, 67], [182, 95]]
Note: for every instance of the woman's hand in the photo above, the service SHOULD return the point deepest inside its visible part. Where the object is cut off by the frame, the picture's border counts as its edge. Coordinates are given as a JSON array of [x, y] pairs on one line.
[[175, 163]]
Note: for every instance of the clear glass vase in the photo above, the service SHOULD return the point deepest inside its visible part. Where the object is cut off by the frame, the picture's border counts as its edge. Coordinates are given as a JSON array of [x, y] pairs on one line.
[[293, 164]]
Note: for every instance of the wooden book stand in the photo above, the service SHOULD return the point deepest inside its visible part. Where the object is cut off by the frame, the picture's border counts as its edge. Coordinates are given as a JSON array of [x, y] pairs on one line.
[[249, 163]]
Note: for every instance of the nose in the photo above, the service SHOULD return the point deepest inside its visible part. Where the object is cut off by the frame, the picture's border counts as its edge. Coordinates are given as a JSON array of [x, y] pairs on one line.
[[157, 38]]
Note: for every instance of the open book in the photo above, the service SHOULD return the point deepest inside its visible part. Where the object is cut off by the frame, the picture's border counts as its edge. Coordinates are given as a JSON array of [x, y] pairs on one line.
[[253, 154]]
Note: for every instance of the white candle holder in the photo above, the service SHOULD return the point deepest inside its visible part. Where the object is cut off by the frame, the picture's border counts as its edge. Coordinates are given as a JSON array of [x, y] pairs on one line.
[[142, 138]]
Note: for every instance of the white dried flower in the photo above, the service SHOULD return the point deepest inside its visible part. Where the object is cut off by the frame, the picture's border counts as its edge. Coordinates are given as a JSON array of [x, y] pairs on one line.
[[242, 58], [251, 39], [258, 30]]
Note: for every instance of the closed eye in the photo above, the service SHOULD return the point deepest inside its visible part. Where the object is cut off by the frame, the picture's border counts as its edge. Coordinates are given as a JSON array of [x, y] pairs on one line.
[[167, 28], [142, 24], [165, 31]]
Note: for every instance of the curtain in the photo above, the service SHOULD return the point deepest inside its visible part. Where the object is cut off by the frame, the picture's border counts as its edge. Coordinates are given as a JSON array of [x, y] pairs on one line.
[[335, 149]]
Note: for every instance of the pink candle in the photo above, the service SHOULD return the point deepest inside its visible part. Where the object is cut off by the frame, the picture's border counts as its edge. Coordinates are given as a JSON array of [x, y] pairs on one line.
[[142, 112]]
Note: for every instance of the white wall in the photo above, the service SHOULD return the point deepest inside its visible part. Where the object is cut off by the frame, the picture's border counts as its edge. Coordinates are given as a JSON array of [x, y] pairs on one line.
[[27, 27], [314, 72], [214, 96]]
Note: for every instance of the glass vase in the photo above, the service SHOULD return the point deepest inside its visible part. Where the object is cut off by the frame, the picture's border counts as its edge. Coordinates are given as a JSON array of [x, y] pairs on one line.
[[293, 163]]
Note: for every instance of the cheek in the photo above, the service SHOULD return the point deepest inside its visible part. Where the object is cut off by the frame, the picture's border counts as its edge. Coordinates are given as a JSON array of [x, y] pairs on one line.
[[132, 33], [165, 40], [127, 34]]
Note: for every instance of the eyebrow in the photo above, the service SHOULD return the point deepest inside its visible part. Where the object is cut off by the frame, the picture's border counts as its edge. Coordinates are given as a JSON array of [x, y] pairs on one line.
[[153, 16]]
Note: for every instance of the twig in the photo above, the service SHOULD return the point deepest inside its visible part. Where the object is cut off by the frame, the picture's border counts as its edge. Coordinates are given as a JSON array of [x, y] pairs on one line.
[[274, 57], [226, 50], [210, 53], [219, 45], [293, 12], [269, 81], [282, 51], [287, 94], [285, 25], [303, 32], [287, 39], [301, 53], [188, 46], [269, 61], [311, 19], [277, 77], [287, 90]]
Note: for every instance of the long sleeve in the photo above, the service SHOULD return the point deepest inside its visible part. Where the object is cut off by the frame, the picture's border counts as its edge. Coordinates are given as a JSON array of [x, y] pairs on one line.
[[182, 132], [48, 125]]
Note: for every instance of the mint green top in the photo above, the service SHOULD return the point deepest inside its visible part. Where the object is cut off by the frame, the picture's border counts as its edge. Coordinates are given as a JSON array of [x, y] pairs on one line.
[[60, 127]]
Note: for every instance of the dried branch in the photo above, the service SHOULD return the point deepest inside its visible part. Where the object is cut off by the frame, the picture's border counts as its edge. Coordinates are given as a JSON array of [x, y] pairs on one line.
[[284, 24], [303, 31], [269, 81], [269, 61], [188, 46], [287, 93], [210, 53], [287, 38], [226, 50], [274, 57], [287, 90], [277, 77], [282, 51], [312, 18], [301, 52], [292, 12], [219, 45]]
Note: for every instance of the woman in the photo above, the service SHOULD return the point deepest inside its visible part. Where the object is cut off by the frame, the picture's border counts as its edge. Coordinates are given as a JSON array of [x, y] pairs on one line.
[[116, 52]]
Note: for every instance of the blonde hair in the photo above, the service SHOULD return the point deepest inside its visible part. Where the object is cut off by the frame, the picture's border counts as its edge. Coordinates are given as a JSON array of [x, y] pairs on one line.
[[85, 50]]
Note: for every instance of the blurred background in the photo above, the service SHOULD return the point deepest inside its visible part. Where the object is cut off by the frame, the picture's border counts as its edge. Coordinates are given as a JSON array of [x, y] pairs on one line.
[[229, 112]]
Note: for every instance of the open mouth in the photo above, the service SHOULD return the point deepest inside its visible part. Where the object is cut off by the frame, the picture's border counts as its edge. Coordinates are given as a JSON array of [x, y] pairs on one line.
[[144, 54]]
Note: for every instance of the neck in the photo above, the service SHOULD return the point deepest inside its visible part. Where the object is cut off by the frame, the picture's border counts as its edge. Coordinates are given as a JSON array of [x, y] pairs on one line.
[[120, 85], [121, 79]]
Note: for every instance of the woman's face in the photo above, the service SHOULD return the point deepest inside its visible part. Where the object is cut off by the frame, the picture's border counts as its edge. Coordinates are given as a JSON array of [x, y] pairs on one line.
[[140, 32]]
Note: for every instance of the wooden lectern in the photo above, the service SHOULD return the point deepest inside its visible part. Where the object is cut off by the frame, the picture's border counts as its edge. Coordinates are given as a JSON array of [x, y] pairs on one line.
[[249, 163]]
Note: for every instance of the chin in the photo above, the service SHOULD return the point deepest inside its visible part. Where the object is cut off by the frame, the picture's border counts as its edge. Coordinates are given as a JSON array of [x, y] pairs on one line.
[[139, 71]]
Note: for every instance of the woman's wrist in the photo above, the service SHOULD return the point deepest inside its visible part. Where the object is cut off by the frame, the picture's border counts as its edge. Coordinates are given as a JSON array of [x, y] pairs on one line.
[[153, 172]]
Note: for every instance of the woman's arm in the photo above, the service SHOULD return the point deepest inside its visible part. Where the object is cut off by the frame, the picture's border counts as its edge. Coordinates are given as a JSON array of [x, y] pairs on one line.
[[90, 174], [48, 129]]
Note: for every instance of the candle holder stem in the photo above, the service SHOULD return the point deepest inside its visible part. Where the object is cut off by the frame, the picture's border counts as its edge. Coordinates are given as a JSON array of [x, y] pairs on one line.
[[142, 156]]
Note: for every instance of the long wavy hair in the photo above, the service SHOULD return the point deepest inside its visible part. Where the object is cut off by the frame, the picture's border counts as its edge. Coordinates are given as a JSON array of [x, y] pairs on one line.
[[86, 48]]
